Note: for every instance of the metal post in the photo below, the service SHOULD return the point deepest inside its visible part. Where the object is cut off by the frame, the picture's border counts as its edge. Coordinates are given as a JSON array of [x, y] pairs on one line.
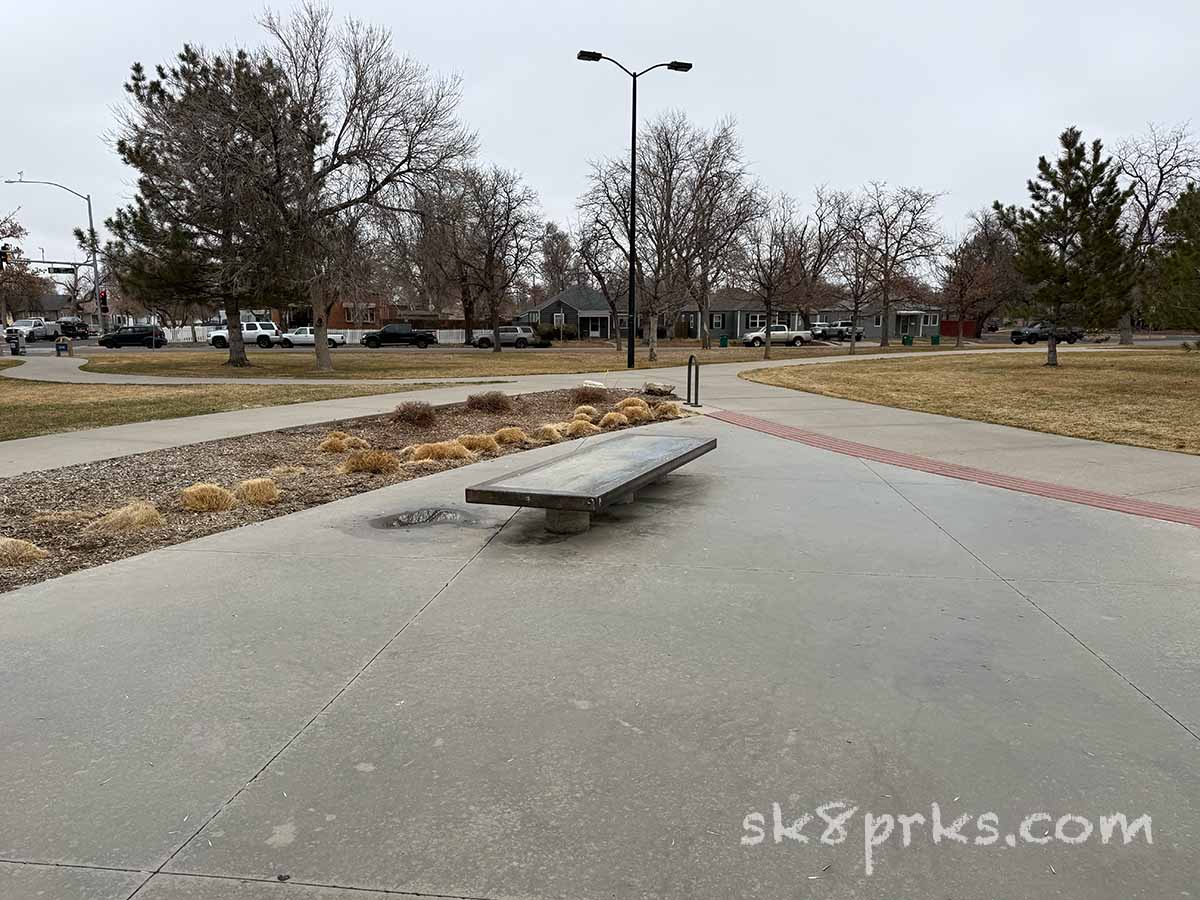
[[629, 363], [95, 267]]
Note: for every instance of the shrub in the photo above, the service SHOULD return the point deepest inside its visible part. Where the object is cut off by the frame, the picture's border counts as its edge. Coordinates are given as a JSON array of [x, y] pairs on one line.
[[511, 435], [667, 410], [632, 401], [257, 491], [415, 412], [489, 401], [582, 416], [479, 443], [202, 497], [377, 462], [16, 552], [637, 414], [614, 420], [441, 450], [581, 428], [334, 443], [588, 393], [590, 411], [548, 434], [130, 517]]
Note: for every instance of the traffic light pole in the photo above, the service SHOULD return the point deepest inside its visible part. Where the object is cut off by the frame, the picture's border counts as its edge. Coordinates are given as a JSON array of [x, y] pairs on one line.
[[95, 268]]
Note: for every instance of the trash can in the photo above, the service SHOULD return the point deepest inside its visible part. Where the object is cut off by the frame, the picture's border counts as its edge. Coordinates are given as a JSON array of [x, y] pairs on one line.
[[61, 346], [907, 340], [935, 339], [724, 340]]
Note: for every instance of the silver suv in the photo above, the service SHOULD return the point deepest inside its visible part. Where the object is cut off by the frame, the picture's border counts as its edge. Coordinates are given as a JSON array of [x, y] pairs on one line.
[[519, 336]]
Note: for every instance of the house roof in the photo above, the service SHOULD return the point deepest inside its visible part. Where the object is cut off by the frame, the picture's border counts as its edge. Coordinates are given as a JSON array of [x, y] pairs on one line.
[[580, 297]]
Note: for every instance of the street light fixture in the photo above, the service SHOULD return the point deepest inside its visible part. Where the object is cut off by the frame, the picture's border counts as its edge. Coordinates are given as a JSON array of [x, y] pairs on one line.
[[91, 239], [674, 66]]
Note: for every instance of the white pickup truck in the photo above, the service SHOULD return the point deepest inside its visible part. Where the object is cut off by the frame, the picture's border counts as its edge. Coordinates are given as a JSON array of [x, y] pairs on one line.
[[265, 334], [33, 330], [307, 337], [780, 334]]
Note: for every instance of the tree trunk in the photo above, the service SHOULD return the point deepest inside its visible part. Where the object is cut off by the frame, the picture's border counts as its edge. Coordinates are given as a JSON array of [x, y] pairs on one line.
[[237, 348], [614, 326], [468, 305], [495, 317], [1052, 351], [321, 336], [1126, 326], [884, 309], [702, 311], [652, 336], [767, 333], [195, 339], [959, 333]]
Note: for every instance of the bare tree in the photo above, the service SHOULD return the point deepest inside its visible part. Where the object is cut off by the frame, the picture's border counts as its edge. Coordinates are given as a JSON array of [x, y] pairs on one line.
[[965, 279], [1156, 168], [855, 267], [367, 128], [900, 228], [772, 246], [608, 266], [819, 239], [559, 262]]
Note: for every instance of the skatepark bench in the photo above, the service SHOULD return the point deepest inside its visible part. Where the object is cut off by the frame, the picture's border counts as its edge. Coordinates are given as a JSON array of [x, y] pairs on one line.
[[573, 487]]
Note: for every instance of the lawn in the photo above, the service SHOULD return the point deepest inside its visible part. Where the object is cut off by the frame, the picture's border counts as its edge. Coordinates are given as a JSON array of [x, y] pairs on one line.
[[1147, 399], [409, 363], [37, 407]]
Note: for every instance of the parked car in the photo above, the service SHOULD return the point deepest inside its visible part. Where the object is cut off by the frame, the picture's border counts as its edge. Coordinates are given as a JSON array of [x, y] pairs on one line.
[[780, 334], [134, 336], [74, 327], [840, 331], [398, 333], [519, 336], [33, 329], [1040, 331], [264, 334], [307, 337]]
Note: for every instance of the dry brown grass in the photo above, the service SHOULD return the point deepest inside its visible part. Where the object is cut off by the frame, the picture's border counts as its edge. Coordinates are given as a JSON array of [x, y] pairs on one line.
[[581, 428], [667, 410], [288, 471], [376, 462], [204, 497], [334, 442], [479, 443], [258, 491], [511, 435], [1141, 398], [632, 401], [637, 414], [614, 420], [590, 411], [131, 517], [547, 434], [16, 552], [415, 412], [441, 450], [589, 393], [489, 401], [62, 516]]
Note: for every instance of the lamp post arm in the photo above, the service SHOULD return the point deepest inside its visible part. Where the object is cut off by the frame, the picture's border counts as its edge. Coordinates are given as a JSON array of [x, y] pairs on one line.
[[51, 183], [619, 66]]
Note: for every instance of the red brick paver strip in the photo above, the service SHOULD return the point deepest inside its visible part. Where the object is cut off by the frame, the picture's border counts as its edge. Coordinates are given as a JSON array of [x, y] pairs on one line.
[[1130, 505]]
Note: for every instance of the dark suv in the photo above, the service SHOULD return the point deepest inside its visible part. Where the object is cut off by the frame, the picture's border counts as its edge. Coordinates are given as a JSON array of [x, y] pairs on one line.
[[398, 333], [1040, 331], [134, 336]]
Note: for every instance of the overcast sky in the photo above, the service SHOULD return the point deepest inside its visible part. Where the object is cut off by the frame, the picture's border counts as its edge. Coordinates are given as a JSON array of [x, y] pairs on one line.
[[957, 97]]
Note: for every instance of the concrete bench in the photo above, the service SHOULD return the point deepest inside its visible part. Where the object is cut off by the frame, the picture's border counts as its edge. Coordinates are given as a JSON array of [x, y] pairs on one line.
[[573, 487]]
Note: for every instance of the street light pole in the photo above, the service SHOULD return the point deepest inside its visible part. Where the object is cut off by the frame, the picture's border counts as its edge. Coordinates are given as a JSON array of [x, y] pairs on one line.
[[87, 198], [674, 66]]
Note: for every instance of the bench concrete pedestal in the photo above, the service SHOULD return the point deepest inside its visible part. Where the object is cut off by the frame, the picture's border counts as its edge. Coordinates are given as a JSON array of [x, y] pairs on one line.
[[567, 521]]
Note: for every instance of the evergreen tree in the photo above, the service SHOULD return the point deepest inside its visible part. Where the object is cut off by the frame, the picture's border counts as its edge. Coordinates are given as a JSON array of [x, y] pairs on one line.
[[1175, 286], [1070, 240]]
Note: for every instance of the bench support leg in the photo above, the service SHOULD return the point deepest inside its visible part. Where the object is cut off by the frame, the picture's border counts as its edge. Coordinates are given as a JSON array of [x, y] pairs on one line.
[[563, 521], [626, 499]]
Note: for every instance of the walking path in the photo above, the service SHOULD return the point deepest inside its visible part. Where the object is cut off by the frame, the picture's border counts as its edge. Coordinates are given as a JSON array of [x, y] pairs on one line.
[[1152, 475]]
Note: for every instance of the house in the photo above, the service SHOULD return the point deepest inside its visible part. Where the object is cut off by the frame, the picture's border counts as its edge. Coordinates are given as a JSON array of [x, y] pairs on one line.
[[906, 317], [733, 312], [579, 305]]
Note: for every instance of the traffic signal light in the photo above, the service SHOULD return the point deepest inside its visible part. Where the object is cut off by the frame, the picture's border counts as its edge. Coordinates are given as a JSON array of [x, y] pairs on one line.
[[5, 256], [104, 300]]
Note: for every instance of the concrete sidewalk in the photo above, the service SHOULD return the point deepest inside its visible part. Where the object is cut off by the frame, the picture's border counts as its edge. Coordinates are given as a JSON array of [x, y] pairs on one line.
[[478, 710]]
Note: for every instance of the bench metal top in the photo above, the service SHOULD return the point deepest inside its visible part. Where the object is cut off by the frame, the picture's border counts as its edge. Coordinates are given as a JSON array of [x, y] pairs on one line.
[[591, 478]]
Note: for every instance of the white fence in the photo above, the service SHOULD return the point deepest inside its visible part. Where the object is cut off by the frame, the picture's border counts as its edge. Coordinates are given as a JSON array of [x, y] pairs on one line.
[[183, 335]]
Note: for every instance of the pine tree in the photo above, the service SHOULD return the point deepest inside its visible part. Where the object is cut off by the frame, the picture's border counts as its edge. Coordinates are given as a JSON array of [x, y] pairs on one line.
[[1175, 282], [1070, 240]]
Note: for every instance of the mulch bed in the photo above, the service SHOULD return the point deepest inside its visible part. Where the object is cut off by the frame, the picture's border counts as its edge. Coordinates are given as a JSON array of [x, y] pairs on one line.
[[78, 494]]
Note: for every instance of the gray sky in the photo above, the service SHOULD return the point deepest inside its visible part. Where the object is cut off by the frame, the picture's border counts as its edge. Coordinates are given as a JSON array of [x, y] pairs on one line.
[[958, 97]]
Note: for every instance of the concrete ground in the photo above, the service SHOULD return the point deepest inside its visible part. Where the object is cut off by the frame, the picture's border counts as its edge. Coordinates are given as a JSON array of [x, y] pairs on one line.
[[320, 708]]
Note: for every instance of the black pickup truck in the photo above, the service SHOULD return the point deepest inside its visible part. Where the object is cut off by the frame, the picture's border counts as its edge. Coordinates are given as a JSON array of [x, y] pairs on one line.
[[1040, 331], [398, 333]]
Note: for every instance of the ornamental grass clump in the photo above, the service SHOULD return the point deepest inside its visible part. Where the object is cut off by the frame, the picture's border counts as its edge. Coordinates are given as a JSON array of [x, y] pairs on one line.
[[415, 412], [614, 420], [511, 435], [374, 462], [490, 401], [547, 434], [16, 552], [581, 428], [131, 517], [441, 450], [479, 443], [204, 497], [258, 491]]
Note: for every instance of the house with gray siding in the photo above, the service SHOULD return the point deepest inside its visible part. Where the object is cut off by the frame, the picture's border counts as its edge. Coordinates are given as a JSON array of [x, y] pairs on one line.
[[580, 305]]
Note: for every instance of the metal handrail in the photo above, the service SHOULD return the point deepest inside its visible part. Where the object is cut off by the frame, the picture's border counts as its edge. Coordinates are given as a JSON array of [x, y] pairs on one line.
[[692, 361]]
